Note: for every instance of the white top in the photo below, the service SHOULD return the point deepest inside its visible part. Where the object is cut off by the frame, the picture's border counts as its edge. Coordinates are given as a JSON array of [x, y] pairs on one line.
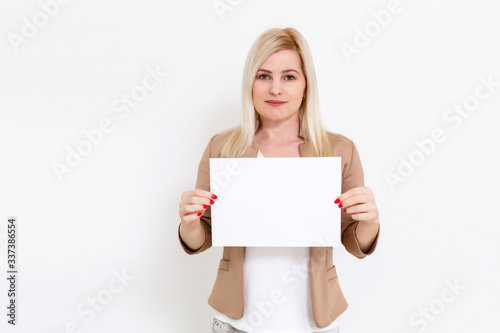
[[277, 291]]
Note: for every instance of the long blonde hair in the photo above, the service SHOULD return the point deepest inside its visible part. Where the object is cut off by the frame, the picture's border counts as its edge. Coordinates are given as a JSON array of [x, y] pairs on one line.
[[270, 41]]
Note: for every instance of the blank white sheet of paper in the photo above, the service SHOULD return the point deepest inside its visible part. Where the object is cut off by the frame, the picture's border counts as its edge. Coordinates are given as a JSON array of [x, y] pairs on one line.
[[276, 201]]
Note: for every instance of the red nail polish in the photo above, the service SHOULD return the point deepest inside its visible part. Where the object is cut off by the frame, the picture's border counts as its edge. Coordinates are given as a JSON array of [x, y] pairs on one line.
[[344, 210], [214, 196], [199, 213], [212, 202], [340, 205], [205, 206], [337, 200]]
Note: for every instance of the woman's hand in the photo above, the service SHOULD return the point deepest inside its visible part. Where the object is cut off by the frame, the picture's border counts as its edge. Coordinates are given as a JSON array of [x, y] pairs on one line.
[[360, 203], [193, 204]]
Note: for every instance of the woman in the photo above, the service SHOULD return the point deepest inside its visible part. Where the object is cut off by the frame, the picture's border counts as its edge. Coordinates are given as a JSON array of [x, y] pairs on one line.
[[261, 289]]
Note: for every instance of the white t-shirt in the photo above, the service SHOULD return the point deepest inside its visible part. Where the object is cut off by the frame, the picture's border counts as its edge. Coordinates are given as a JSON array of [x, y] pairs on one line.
[[277, 291]]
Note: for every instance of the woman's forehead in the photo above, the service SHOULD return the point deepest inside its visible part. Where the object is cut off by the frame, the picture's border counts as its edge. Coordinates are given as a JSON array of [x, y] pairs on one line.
[[282, 59]]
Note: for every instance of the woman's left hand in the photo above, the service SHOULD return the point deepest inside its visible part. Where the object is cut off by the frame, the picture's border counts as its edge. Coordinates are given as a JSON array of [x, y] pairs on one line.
[[360, 203]]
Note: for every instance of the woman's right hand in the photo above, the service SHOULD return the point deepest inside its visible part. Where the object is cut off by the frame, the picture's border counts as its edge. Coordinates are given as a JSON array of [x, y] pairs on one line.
[[193, 204]]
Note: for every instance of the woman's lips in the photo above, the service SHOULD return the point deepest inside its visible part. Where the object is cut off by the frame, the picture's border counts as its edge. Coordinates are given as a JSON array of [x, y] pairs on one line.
[[275, 103]]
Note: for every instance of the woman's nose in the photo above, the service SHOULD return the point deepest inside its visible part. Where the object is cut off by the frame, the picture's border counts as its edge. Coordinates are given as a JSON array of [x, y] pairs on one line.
[[275, 88]]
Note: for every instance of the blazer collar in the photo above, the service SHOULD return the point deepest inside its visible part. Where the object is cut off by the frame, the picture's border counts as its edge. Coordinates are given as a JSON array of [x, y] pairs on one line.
[[305, 149]]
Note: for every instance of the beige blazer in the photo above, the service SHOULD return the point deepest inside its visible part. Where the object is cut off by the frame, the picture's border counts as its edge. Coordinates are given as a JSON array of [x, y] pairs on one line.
[[327, 299]]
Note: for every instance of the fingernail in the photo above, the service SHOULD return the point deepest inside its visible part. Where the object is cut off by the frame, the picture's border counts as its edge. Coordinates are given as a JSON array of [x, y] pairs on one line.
[[337, 200], [344, 210], [212, 202], [340, 205], [199, 213], [205, 206], [214, 196]]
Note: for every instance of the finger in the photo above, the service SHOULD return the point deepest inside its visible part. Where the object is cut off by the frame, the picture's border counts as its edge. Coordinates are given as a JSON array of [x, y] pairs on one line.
[[206, 194], [369, 216], [350, 193], [194, 200], [189, 219], [356, 209], [354, 200], [191, 209]]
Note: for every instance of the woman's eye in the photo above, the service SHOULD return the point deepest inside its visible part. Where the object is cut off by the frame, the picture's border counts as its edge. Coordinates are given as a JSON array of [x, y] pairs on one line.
[[263, 76], [290, 77]]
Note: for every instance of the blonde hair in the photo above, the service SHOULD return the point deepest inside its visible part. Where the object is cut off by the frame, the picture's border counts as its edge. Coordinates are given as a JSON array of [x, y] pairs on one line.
[[270, 41]]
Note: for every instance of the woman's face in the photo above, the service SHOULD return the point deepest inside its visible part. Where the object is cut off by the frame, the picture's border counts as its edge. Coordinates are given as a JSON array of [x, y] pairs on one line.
[[279, 86]]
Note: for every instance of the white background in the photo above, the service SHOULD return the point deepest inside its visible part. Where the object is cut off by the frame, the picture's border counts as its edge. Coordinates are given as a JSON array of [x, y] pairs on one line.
[[118, 209]]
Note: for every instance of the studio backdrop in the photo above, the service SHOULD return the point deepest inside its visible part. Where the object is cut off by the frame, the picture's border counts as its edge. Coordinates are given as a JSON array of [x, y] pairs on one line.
[[107, 106]]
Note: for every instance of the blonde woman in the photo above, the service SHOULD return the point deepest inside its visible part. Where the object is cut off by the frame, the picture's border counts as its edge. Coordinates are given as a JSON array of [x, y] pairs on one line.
[[278, 289]]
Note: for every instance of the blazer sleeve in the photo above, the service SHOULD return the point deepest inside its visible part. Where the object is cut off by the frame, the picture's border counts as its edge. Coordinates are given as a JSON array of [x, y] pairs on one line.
[[352, 177], [202, 182]]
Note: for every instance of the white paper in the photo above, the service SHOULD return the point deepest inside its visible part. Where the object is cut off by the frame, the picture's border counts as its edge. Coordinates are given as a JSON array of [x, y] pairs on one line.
[[276, 201]]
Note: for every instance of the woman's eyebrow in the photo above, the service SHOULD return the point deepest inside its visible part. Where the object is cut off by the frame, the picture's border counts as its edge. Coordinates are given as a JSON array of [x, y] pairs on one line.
[[285, 71]]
